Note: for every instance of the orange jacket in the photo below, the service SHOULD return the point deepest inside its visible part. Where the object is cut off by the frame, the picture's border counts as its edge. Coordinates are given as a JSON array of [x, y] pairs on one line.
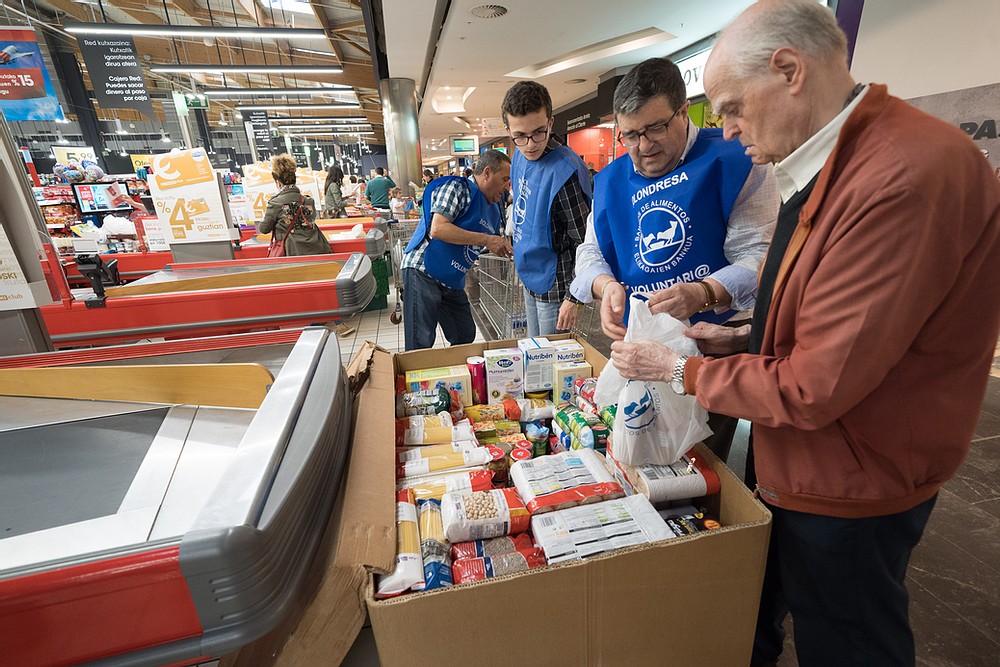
[[883, 322]]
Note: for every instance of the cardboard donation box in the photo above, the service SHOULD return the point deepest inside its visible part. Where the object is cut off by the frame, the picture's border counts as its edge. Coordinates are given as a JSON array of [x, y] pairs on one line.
[[683, 601]]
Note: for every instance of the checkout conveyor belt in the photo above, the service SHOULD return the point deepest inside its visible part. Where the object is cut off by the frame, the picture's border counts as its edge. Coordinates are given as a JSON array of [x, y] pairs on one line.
[[151, 533]]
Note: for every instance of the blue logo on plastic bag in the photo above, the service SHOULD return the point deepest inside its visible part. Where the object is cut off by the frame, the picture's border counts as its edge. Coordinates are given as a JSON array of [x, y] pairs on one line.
[[641, 413]]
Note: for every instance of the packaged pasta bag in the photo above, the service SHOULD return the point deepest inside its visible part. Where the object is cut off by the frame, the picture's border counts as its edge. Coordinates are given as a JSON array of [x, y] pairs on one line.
[[435, 486], [435, 435], [477, 569], [485, 413], [404, 454], [433, 545], [425, 402], [409, 571], [491, 547], [478, 456], [564, 480], [483, 514], [441, 419]]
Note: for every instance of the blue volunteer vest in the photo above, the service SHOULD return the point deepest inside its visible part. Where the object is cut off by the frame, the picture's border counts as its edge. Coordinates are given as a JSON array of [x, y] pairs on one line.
[[446, 262], [535, 185], [655, 232]]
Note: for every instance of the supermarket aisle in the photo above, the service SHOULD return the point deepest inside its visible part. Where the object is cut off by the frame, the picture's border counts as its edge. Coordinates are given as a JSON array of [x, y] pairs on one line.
[[376, 327]]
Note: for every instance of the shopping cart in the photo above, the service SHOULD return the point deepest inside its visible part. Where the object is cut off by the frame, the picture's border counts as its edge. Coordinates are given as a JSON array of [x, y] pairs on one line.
[[501, 297], [400, 232]]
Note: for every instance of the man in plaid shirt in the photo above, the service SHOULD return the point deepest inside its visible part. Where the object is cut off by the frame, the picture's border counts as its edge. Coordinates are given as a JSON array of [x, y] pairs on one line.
[[462, 221], [551, 187]]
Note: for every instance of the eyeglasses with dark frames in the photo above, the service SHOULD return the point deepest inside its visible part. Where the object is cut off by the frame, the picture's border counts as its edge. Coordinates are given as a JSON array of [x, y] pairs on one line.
[[654, 132]]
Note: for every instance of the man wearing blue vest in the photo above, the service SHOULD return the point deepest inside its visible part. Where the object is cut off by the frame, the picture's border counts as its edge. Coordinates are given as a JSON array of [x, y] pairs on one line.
[[551, 192], [685, 216], [461, 219]]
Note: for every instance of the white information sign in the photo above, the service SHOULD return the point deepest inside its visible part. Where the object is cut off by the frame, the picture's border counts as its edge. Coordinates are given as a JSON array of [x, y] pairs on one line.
[[258, 188], [186, 195], [16, 293]]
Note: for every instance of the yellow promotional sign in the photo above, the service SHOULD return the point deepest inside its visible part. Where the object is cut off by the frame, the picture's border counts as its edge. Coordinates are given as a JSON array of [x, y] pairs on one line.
[[188, 198], [140, 160], [180, 168]]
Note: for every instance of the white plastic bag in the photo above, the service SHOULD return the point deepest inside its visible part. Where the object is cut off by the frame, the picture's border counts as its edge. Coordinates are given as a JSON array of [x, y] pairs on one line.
[[653, 424]]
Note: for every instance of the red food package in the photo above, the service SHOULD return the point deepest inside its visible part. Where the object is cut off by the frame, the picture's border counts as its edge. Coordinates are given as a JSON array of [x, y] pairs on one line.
[[477, 569], [512, 409], [491, 547]]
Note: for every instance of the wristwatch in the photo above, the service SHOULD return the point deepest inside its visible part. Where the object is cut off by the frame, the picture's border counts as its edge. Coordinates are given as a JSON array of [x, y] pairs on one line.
[[677, 377]]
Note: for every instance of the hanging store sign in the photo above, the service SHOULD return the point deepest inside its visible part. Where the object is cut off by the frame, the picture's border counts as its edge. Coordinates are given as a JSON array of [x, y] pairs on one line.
[[187, 197], [26, 92], [261, 130], [115, 73]]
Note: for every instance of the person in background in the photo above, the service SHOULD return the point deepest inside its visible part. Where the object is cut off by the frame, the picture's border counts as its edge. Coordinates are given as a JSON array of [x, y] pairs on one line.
[[462, 221], [377, 189], [418, 190], [397, 205], [551, 194], [591, 171], [350, 191], [292, 208], [362, 198], [875, 327], [467, 172], [333, 194], [684, 217]]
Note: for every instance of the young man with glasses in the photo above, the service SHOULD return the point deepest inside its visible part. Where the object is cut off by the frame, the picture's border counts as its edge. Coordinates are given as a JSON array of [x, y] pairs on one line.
[[685, 217], [551, 192]]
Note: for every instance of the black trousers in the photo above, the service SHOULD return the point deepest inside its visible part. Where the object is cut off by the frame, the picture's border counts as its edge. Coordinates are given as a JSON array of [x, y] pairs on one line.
[[844, 582]]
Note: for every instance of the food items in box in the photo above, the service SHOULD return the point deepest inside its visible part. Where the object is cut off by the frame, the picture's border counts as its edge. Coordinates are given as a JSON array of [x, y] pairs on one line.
[[587, 429], [435, 486], [486, 413], [404, 454], [477, 569], [434, 548], [564, 374], [435, 435], [491, 547], [454, 378], [559, 481], [504, 374], [427, 402], [689, 477], [463, 459], [423, 421], [578, 532], [409, 570], [539, 358], [483, 514], [529, 409], [689, 524]]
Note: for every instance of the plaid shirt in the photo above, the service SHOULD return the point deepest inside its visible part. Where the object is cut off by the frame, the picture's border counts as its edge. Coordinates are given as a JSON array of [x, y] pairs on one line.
[[570, 209], [450, 200]]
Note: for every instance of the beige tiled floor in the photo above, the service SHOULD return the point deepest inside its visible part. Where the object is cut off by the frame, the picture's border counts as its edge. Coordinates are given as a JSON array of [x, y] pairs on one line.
[[376, 327]]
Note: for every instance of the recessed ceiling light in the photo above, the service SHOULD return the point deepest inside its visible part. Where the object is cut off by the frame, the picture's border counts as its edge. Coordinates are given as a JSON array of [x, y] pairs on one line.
[[599, 51], [488, 11], [576, 81]]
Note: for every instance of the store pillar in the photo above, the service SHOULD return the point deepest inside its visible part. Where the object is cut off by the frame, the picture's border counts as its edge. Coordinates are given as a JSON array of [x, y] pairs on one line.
[[402, 133]]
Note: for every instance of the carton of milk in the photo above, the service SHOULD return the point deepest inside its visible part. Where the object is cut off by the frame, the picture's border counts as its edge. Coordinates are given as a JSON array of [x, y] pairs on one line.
[[568, 350], [452, 378], [564, 375], [504, 373], [539, 358]]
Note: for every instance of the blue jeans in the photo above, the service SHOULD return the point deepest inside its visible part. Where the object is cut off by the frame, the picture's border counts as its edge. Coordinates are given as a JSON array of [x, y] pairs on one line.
[[427, 303], [542, 316]]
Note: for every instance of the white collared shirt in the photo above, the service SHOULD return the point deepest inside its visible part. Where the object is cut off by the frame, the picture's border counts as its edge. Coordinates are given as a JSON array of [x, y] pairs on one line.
[[798, 169]]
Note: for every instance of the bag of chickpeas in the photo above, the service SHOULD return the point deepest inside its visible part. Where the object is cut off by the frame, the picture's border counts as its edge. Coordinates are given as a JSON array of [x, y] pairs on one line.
[[483, 514]]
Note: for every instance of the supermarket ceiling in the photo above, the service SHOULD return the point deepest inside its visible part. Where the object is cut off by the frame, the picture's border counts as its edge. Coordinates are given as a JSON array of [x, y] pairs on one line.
[[462, 54], [566, 45]]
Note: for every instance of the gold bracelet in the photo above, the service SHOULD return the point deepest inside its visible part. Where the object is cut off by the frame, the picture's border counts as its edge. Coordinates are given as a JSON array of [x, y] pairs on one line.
[[711, 301], [605, 288]]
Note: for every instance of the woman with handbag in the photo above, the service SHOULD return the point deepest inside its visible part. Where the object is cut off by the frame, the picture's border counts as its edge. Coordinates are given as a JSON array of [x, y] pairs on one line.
[[290, 216], [333, 193]]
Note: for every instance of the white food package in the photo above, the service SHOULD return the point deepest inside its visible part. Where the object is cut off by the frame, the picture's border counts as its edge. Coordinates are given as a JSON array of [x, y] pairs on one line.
[[578, 532], [653, 424], [482, 515], [567, 479]]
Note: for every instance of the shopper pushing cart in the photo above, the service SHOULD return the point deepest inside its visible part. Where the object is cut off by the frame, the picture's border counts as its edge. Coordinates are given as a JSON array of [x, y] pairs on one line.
[[461, 221]]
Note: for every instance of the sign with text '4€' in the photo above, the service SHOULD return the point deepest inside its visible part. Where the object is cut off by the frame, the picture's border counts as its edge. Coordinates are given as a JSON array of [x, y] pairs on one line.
[[187, 197]]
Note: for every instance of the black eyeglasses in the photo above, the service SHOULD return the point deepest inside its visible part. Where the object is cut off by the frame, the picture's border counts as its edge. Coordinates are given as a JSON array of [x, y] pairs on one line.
[[653, 132], [538, 136]]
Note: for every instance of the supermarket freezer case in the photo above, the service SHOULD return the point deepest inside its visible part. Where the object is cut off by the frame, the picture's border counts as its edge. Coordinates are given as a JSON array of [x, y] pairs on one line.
[[148, 534]]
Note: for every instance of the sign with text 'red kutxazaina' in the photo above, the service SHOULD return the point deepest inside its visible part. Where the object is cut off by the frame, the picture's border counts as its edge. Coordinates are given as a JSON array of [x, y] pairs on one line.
[[115, 73]]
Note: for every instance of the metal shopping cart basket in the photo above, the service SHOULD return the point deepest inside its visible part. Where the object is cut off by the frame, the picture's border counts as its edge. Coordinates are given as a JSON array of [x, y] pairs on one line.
[[400, 232], [501, 297]]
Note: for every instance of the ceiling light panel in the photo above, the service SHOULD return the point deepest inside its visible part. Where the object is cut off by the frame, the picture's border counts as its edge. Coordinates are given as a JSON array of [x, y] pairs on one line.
[[599, 51], [301, 107], [219, 32]]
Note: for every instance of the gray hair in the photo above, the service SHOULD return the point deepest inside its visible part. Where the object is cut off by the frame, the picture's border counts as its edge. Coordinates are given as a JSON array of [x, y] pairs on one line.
[[804, 25], [650, 78], [492, 159]]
